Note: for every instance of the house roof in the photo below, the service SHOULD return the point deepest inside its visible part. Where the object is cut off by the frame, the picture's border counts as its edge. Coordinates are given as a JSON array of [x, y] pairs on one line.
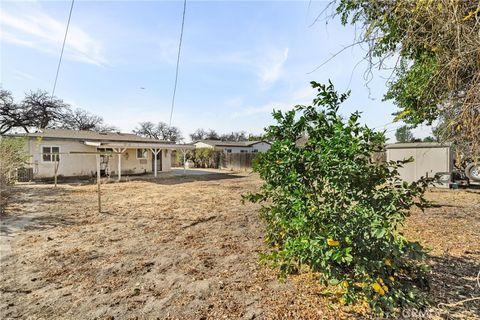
[[416, 145], [82, 135], [220, 143]]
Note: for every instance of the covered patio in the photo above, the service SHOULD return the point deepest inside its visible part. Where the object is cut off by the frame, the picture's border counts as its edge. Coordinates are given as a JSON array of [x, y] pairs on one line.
[[159, 153]]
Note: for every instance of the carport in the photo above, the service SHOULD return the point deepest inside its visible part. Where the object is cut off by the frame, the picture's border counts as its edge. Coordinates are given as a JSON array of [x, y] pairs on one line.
[[155, 148]]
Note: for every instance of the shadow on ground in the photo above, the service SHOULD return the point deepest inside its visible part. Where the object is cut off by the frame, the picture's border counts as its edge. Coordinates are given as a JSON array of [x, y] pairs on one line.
[[165, 178], [20, 194], [28, 209], [454, 282], [193, 178]]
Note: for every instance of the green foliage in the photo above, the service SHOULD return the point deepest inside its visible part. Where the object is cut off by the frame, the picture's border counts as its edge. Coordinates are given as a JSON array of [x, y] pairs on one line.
[[404, 134], [436, 75], [429, 139], [412, 90], [330, 206], [205, 157], [12, 156]]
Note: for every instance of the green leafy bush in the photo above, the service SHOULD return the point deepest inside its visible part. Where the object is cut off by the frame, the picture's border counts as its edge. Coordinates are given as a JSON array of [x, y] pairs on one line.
[[331, 207], [12, 156], [205, 157]]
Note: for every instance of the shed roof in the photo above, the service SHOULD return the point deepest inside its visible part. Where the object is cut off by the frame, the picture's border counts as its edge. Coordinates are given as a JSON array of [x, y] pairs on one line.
[[65, 134], [417, 145], [221, 143]]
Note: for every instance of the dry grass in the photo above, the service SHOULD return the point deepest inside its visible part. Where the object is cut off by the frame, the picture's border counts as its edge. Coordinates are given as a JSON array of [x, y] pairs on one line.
[[187, 248], [451, 232]]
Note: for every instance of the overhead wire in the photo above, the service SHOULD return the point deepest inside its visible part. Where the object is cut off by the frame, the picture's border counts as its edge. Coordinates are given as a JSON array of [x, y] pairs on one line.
[[178, 62], [63, 48]]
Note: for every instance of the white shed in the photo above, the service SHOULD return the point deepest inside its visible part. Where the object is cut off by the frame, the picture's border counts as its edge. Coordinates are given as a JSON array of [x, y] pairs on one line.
[[429, 158]]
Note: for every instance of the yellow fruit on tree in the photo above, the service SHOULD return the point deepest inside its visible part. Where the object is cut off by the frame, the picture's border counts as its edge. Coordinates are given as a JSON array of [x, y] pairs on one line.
[[387, 262], [333, 243]]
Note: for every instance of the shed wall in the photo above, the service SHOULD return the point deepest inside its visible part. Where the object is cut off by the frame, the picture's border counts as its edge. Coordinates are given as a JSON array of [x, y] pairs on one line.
[[427, 161]]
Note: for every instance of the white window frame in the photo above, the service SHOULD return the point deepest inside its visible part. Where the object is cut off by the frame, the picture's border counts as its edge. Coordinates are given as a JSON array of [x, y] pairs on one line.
[[144, 153], [228, 150], [51, 156]]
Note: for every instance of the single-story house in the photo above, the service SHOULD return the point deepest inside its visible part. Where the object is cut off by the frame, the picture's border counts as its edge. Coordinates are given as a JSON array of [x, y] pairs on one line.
[[234, 146], [429, 158], [76, 153]]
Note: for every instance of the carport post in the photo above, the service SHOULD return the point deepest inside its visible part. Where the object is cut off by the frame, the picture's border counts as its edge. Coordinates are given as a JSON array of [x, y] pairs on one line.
[[119, 152], [98, 184], [119, 167], [184, 161], [155, 152]]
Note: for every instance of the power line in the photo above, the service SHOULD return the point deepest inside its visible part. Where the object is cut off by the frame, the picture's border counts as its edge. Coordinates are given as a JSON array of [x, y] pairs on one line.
[[178, 62], [394, 129], [63, 48], [385, 125]]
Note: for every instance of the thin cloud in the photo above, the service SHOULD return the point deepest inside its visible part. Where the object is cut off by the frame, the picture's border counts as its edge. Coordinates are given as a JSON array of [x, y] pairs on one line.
[[235, 102], [23, 75], [37, 30], [271, 69], [168, 50], [298, 96], [265, 108], [266, 64]]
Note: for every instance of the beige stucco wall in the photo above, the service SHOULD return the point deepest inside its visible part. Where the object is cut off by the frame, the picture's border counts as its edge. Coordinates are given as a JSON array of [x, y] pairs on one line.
[[85, 165], [130, 164], [69, 164], [166, 160]]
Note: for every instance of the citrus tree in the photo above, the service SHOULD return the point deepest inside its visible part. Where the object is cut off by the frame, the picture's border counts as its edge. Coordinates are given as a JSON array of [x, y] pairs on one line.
[[330, 207]]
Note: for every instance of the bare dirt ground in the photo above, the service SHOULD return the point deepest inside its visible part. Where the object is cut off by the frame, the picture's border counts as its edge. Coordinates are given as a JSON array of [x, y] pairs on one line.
[[450, 231], [187, 248]]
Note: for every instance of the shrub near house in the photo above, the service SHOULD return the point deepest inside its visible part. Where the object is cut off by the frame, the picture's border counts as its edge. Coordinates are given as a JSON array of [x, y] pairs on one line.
[[12, 156], [332, 208]]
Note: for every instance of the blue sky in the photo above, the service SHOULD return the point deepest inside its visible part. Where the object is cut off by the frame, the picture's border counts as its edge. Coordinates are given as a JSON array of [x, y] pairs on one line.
[[239, 60]]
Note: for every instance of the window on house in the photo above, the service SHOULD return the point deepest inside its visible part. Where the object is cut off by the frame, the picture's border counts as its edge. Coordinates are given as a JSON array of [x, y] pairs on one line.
[[255, 150], [243, 151], [50, 154], [106, 150], [228, 150], [141, 153]]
